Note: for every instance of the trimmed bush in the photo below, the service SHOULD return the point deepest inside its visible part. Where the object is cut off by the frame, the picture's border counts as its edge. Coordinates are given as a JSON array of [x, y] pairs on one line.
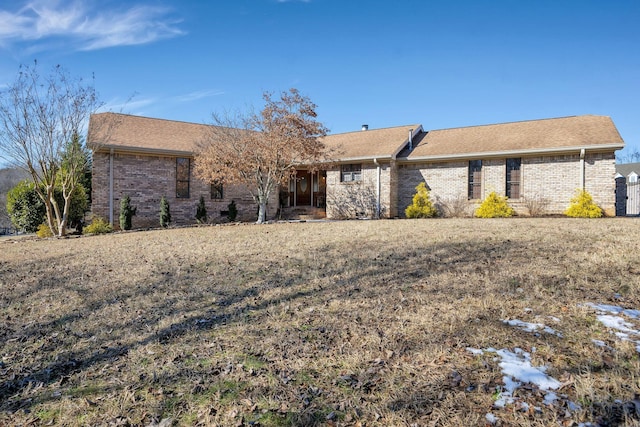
[[126, 213], [583, 206], [422, 207], [165, 213], [25, 208], [44, 231], [232, 211], [201, 211], [494, 206], [98, 226]]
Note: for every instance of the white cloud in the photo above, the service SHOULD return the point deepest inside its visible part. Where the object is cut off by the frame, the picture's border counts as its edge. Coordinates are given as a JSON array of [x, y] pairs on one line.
[[89, 28], [194, 96], [134, 105]]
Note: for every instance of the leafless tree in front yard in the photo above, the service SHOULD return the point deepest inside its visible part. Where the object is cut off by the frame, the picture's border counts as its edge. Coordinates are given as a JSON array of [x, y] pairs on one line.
[[41, 122], [260, 150]]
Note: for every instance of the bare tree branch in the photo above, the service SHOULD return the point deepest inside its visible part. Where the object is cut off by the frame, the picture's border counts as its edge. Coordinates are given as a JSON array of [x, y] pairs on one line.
[[261, 150], [39, 119]]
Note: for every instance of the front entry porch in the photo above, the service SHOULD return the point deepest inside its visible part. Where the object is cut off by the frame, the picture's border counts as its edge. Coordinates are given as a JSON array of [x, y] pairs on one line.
[[308, 189], [306, 196]]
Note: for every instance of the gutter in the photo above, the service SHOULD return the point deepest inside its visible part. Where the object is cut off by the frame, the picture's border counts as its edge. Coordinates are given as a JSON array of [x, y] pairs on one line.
[[485, 154], [582, 170], [140, 150], [378, 206], [111, 154]]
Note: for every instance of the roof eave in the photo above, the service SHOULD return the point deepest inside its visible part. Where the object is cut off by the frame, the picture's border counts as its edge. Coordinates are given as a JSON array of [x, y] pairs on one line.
[[362, 159], [142, 150], [485, 154]]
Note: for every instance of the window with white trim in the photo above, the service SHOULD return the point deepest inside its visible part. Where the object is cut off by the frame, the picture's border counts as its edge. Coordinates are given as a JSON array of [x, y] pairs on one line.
[[351, 173]]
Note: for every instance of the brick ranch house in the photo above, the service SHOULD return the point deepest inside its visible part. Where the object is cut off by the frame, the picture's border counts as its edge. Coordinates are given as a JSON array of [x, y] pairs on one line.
[[374, 174]]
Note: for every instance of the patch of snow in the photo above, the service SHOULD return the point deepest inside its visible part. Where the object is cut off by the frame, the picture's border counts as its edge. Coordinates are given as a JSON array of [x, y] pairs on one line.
[[517, 364], [491, 419], [600, 343], [550, 397], [609, 316], [532, 327], [573, 407], [617, 322], [634, 314], [555, 319], [517, 369]]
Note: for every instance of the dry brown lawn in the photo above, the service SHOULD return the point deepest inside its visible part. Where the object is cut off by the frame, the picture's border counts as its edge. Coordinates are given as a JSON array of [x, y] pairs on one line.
[[357, 323]]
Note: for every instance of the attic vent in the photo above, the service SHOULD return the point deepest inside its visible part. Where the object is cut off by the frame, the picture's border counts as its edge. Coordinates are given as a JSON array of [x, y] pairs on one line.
[[365, 127]]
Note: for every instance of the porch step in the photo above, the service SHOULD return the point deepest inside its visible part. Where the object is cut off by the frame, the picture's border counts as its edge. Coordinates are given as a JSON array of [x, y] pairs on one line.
[[303, 213]]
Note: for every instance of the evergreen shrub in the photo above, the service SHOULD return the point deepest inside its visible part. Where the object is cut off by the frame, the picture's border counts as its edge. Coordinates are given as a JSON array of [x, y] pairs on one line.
[[494, 206], [201, 211], [232, 211], [44, 231], [126, 213], [165, 213], [98, 226], [422, 207], [583, 206]]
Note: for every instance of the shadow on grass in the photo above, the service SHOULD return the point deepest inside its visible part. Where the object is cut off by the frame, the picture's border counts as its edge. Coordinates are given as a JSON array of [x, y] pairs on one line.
[[335, 276]]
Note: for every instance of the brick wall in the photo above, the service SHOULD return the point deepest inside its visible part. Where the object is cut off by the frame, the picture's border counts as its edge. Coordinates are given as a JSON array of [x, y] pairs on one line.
[[147, 178], [554, 178], [446, 181], [359, 199]]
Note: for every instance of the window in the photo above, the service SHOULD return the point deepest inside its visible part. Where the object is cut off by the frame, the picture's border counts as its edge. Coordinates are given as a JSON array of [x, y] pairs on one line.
[[513, 178], [475, 179], [217, 190], [351, 173], [183, 172]]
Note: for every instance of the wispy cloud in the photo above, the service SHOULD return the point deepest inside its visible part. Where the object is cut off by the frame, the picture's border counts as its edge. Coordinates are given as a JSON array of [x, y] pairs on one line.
[[88, 27], [133, 105], [194, 96]]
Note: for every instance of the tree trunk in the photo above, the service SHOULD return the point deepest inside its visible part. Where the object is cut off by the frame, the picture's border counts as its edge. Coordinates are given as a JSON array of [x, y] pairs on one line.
[[262, 211], [49, 209], [60, 224], [65, 216]]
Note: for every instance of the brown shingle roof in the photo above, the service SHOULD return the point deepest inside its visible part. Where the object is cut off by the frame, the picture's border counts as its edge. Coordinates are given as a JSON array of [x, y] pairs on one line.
[[369, 144], [520, 137], [143, 134], [135, 133]]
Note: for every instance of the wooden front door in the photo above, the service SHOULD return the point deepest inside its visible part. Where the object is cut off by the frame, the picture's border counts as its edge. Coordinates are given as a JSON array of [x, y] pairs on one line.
[[303, 188]]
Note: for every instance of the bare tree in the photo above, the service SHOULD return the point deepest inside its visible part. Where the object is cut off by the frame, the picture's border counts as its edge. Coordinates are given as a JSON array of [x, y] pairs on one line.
[[40, 118], [260, 150]]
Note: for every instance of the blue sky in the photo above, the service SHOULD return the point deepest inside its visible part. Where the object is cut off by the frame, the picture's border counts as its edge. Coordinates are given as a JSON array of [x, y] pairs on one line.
[[380, 62]]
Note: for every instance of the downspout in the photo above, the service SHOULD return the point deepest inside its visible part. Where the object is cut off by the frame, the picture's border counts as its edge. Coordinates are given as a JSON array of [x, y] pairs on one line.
[[582, 170], [111, 187], [375, 161]]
